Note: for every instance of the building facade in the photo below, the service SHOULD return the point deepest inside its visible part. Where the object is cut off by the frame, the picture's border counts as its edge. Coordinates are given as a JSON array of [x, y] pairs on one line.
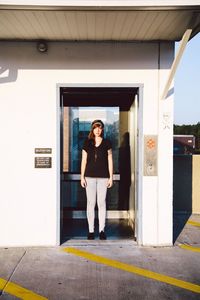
[[122, 76]]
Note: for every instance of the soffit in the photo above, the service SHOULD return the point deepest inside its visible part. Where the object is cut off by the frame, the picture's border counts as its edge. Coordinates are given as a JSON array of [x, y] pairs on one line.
[[97, 24]]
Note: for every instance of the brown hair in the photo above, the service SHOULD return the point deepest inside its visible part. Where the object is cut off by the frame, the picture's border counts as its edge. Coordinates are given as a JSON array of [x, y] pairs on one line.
[[91, 135]]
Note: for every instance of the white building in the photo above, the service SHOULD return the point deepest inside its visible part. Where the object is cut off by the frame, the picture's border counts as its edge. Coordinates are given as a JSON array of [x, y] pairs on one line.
[[100, 54]]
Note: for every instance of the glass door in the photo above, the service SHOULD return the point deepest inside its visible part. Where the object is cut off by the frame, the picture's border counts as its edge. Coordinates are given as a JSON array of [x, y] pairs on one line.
[[76, 127]]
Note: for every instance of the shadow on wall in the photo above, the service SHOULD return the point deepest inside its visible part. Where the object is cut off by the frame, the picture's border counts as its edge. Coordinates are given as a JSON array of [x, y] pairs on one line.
[[80, 56], [182, 192], [8, 74], [125, 172]]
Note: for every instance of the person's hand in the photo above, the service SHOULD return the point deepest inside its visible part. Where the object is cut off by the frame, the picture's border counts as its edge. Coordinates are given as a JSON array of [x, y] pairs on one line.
[[110, 183], [83, 182]]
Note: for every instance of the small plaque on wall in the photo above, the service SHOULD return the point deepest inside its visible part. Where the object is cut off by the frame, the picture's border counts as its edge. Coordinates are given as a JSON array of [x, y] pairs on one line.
[[43, 162], [43, 150]]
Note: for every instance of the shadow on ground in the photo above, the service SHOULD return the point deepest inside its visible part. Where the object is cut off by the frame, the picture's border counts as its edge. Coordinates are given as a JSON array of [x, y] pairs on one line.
[[78, 229], [179, 222]]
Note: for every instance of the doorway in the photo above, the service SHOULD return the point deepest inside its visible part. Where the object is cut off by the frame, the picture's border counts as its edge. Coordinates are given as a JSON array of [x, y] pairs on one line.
[[118, 110]]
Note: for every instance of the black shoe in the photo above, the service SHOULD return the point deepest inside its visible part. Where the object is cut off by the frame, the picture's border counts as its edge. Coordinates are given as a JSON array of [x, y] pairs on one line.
[[90, 236], [102, 235]]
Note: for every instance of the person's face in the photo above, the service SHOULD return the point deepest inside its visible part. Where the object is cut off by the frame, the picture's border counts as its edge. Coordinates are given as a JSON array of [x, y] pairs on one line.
[[97, 131]]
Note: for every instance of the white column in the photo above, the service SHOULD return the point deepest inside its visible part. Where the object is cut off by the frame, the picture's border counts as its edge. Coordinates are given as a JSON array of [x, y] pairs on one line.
[[165, 150]]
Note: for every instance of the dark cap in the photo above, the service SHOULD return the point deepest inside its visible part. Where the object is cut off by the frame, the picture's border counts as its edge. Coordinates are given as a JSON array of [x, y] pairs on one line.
[[98, 122]]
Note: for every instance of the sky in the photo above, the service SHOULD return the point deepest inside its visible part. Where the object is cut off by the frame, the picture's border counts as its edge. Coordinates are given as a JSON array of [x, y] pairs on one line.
[[187, 85]]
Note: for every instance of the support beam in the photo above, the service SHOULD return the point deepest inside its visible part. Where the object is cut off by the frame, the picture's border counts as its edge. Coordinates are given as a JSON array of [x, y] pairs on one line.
[[177, 59]]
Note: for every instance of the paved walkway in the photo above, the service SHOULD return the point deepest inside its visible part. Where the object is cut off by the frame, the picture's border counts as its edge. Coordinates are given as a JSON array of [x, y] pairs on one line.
[[105, 269]]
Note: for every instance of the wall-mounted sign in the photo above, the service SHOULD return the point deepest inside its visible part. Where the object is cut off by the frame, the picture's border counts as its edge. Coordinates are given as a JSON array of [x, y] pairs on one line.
[[43, 162], [43, 150]]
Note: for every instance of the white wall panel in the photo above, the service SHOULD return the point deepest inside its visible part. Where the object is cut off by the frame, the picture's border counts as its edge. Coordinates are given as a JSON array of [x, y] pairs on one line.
[[29, 119], [149, 211], [165, 151]]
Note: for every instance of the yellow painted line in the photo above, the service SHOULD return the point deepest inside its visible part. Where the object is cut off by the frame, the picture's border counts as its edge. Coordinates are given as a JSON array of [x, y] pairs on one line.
[[135, 270], [191, 248], [193, 223], [18, 291]]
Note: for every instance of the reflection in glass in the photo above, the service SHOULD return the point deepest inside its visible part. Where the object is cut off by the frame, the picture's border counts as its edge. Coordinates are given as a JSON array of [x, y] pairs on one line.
[[80, 124], [77, 124], [77, 199]]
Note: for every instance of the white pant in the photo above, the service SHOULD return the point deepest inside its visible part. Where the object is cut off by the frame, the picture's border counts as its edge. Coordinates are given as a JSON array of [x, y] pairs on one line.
[[96, 188]]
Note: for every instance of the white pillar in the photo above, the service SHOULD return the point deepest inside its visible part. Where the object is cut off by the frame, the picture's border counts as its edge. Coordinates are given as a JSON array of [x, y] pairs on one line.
[[165, 151]]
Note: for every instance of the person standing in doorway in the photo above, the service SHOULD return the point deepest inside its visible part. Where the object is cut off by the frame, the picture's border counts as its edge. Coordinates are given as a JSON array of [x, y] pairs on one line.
[[96, 175]]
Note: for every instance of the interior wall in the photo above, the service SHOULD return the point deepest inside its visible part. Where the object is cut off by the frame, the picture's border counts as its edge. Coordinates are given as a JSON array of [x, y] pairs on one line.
[[132, 129], [124, 162], [128, 129], [123, 126]]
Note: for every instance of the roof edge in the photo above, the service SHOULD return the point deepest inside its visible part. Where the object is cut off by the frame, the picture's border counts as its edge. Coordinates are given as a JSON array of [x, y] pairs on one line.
[[105, 3], [98, 5]]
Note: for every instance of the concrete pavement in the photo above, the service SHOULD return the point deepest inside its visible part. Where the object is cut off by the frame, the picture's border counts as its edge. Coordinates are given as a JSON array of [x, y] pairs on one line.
[[101, 270]]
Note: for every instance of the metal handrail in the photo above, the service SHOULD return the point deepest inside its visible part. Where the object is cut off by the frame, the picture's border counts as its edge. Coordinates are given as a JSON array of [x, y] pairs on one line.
[[77, 177]]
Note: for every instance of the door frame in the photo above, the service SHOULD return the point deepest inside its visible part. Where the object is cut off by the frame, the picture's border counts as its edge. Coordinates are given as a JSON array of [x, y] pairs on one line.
[[139, 153]]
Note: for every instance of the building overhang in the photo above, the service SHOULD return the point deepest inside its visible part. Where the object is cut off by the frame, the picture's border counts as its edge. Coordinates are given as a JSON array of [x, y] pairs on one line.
[[92, 20]]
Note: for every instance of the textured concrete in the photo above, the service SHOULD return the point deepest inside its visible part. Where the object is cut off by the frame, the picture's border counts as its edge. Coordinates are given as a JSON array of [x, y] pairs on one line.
[[56, 275]]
